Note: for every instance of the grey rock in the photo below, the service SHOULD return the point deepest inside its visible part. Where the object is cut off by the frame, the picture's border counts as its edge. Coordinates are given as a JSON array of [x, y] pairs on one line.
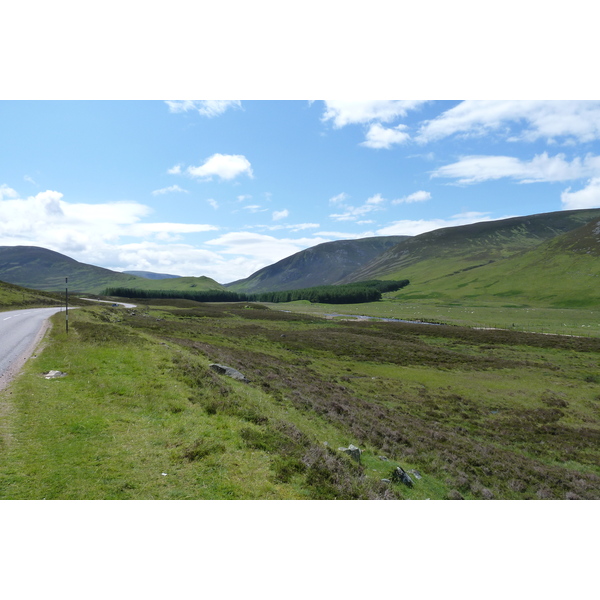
[[229, 371], [416, 473], [353, 451], [383, 458], [400, 475]]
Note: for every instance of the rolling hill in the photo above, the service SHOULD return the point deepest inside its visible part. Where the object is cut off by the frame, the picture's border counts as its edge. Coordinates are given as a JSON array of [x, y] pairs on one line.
[[323, 264], [563, 272], [151, 275], [43, 269], [429, 256]]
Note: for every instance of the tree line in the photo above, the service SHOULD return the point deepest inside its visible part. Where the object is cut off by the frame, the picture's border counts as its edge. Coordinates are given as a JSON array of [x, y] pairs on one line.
[[352, 293]]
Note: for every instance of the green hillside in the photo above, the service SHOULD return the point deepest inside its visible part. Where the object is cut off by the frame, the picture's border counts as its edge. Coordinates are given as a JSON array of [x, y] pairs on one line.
[[427, 257], [563, 272], [323, 264], [13, 297], [43, 269]]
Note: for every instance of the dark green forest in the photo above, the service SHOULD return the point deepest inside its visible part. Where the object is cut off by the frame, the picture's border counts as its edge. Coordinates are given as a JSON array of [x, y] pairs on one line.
[[354, 293]]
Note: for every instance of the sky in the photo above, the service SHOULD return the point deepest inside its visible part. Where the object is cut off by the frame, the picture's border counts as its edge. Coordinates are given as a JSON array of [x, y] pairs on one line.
[[224, 188]]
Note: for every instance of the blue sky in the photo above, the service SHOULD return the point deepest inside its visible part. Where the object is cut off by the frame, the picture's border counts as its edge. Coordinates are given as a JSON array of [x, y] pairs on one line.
[[224, 188]]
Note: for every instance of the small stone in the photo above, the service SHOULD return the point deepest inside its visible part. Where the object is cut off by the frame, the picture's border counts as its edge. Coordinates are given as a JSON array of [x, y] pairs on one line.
[[54, 374], [383, 458]]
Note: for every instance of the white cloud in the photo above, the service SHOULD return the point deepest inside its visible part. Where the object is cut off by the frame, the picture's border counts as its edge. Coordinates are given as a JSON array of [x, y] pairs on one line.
[[354, 213], [254, 208], [176, 170], [416, 227], [143, 229], [376, 199], [168, 190], [225, 166], [7, 192], [588, 197], [343, 112], [339, 199], [213, 203], [474, 169], [280, 214], [579, 120], [91, 233], [206, 108], [383, 137], [420, 196], [243, 197]]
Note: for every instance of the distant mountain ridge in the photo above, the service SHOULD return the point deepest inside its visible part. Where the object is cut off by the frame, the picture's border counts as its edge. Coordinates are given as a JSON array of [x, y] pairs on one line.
[[38, 268], [151, 275], [549, 258], [323, 264], [42, 269], [437, 253]]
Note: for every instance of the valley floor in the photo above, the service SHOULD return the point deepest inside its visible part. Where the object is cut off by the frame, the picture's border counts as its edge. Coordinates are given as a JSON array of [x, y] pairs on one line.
[[473, 414]]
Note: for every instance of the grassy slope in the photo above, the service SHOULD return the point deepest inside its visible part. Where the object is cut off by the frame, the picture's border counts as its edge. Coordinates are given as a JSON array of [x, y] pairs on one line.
[[428, 257], [42, 269], [563, 272], [13, 297], [480, 414]]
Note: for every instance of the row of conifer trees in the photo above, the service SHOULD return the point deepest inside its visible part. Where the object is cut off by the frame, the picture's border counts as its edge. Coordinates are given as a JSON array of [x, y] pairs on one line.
[[364, 291]]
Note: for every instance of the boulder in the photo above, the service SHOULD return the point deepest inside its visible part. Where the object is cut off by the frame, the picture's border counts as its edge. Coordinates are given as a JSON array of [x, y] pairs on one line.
[[229, 371], [400, 475], [353, 451]]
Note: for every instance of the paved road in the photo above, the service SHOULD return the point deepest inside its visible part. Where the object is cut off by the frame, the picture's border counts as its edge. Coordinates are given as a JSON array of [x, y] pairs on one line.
[[20, 332]]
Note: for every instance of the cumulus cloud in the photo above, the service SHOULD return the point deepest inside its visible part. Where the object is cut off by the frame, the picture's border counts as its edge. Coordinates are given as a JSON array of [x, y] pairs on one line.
[[416, 227], [475, 169], [379, 136], [343, 112], [543, 119], [213, 203], [588, 197], [280, 214], [176, 170], [225, 166], [91, 233], [206, 108], [168, 190], [420, 196]]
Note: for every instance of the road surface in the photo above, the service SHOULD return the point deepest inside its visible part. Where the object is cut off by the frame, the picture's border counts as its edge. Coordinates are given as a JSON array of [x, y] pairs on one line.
[[20, 332]]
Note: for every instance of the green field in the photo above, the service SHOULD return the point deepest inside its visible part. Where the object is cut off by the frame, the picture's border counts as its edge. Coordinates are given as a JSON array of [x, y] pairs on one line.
[[479, 414]]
